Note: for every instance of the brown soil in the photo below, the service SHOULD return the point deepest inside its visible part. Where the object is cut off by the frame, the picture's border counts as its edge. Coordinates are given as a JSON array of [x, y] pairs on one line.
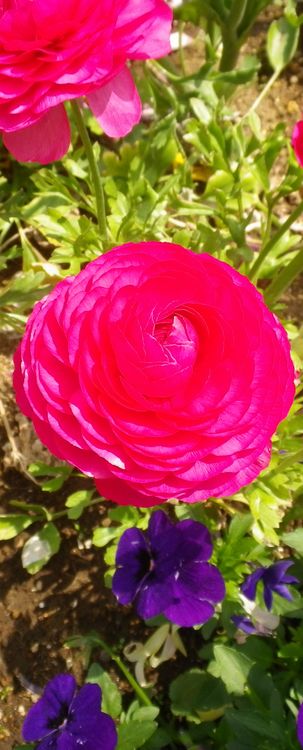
[[38, 613]]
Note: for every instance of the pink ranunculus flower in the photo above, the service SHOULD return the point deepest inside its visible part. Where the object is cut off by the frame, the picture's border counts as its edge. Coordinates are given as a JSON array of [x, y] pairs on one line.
[[52, 51], [297, 141], [157, 371]]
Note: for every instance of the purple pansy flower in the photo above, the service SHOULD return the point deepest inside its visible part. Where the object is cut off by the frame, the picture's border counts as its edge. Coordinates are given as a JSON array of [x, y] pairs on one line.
[[274, 579], [300, 725], [165, 571], [66, 718]]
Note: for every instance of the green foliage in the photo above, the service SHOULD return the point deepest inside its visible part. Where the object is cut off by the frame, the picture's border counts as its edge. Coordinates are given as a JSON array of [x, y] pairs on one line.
[[197, 172]]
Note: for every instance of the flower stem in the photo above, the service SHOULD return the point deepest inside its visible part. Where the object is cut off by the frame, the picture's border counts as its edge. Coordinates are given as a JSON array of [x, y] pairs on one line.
[[143, 697], [95, 173], [263, 93], [277, 236], [284, 279]]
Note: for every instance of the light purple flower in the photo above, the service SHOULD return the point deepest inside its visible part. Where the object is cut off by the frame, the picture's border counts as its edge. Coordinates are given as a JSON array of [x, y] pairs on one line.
[[244, 624], [300, 725], [165, 571], [274, 580], [66, 718]]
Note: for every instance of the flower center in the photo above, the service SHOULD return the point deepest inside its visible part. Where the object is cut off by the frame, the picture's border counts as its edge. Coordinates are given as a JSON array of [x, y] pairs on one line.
[[163, 328], [61, 719]]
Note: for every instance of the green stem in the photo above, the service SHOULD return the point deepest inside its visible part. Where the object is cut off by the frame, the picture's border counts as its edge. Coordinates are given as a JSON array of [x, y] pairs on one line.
[[95, 173], [263, 93], [277, 236], [284, 279], [230, 53], [133, 683], [62, 513], [181, 50]]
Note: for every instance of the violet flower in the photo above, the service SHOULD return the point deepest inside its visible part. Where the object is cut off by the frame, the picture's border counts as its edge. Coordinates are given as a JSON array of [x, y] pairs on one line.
[[245, 624], [300, 725], [165, 571], [65, 718], [274, 580]]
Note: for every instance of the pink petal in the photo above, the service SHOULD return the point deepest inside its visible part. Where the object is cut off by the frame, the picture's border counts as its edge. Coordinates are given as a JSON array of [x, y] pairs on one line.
[[117, 105], [144, 29], [45, 141], [297, 141]]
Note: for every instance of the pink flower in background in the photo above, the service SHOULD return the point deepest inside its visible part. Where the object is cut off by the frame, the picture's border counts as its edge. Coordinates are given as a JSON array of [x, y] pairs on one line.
[[297, 141], [55, 50], [159, 372]]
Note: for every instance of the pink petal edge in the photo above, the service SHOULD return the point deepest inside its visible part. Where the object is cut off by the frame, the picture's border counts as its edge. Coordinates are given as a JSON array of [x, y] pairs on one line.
[[45, 141], [297, 141], [117, 105]]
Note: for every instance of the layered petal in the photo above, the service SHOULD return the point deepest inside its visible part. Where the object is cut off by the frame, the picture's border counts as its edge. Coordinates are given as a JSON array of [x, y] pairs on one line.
[[45, 141], [143, 385], [117, 105], [58, 51]]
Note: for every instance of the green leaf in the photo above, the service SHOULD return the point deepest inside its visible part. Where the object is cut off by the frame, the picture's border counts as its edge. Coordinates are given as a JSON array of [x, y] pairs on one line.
[[77, 502], [134, 734], [282, 42], [39, 548], [111, 697], [232, 667], [294, 539], [256, 722], [103, 535], [200, 110], [12, 524], [198, 695]]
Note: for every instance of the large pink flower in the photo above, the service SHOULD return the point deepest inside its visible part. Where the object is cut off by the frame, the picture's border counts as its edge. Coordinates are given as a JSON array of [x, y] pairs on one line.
[[55, 50], [157, 371]]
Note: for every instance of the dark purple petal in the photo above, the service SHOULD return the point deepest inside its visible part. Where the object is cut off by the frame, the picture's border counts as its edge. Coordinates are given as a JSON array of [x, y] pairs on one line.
[[131, 544], [101, 734], [126, 584], [195, 588], [267, 596], [300, 725], [243, 623], [165, 542], [201, 581], [54, 742], [134, 560], [153, 597], [87, 723], [282, 590], [197, 533], [276, 573], [49, 711], [65, 741], [86, 705], [159, 523], [187, 612], [249, 587]]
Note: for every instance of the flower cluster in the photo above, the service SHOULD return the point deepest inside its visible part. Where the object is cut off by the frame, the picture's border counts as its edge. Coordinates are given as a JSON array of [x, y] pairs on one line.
[[158, 371], [274, 579], [66, 719], [58, 50], [165, 571]]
